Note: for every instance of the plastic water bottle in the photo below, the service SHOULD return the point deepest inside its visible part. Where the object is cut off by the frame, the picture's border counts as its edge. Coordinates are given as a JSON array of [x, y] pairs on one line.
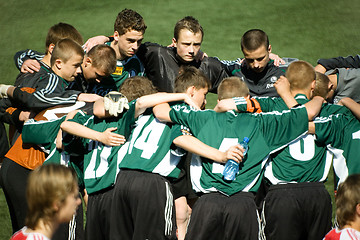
[[231, 166]]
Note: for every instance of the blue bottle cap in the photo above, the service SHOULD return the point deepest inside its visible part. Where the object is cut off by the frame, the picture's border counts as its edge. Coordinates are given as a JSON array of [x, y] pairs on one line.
[[246, 139]]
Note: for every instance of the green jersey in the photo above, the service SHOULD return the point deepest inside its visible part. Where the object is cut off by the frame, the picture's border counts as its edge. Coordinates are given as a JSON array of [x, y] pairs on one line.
[[303, 160], [342, 135], [150, 147], [100, 161], [267, 132]]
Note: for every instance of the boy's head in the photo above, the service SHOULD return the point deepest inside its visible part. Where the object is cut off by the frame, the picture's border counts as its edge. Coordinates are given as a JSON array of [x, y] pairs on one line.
[[129, 30], [66, 59], [232, 87], [256, 49], [301, 76], [193, 82], [348, 200], [99, 62], [60, 31], [52, 194], [136, 87], [188, 35], [323, 85]]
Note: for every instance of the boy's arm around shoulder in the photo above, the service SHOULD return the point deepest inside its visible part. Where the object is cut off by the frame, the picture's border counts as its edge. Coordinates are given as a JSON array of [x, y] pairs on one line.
[[352, 105], [107, 137], [194, 145]]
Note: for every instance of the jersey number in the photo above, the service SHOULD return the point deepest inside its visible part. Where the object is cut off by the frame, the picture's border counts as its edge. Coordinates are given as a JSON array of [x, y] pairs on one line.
[[303, 149], [226, 143], [148, 141], [92, 171]]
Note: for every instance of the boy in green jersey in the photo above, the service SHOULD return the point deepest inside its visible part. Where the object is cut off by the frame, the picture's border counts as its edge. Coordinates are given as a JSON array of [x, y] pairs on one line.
[[341, 133], [302, 166], [99, 182], [267, 133]]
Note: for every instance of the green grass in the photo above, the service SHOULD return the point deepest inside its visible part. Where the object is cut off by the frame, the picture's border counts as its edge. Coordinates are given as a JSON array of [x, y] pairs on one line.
[[304, 29]]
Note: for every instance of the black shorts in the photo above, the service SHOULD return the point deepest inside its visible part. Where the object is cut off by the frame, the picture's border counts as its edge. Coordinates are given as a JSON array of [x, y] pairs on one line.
[[142, 207], [216, 216], [297, 211], [98, 215], [182, 185]]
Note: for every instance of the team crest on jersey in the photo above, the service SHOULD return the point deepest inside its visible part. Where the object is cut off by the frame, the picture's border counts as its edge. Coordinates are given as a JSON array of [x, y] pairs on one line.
[[185, 130], [273, 79], [118, 70]]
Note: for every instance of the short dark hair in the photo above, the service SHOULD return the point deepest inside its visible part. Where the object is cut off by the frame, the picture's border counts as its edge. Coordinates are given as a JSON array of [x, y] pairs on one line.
[[254, 39], [65, 49], [103, 58], [60, 31], [190, 76], [189, 23], [128, 20]]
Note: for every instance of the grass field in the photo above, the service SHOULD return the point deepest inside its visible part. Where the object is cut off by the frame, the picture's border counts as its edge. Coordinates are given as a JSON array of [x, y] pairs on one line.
[[304, 29]]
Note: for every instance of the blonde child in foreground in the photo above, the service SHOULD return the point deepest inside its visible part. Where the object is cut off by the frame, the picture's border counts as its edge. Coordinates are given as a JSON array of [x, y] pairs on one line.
[[347, 210], [52, 197]]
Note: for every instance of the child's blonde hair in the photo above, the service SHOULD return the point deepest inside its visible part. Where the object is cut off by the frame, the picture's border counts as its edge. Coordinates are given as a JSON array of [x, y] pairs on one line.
[[48, 184], [321, 85], [300, 74], [232, 87], [190, 76], [347, 198]]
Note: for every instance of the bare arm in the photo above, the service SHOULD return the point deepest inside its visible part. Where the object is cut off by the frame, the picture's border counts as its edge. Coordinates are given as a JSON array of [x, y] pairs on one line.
[[147, 101], [313, 107], [320, 68], [225, 105], [162, 111], [107, 137], [282, 86], [352, 105], [194, 145], [311, 127]]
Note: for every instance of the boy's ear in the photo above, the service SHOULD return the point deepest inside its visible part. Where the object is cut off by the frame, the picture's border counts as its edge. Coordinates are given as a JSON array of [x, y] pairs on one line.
[[51, 48], [87, 61], [174, 42], [269, 48], [116, 36], [58, 64], [358, 209], [313, 84], [190, 91]]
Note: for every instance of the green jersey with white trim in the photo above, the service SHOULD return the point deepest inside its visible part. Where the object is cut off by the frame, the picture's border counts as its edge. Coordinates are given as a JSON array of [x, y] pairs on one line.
[[150, 147], [267, 132], [304, 160], [342, 135], [100, 161]]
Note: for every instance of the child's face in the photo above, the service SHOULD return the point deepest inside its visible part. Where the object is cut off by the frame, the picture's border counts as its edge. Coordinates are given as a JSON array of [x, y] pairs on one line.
[[91, 73], [199, 97], [71, 68], [188, 45], [128, 43], [68, 209]]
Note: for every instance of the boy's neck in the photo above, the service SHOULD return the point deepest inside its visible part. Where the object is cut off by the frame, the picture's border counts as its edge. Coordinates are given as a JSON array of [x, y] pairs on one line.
[[46, 229], [114, 46], [296, 92], [46, 59]]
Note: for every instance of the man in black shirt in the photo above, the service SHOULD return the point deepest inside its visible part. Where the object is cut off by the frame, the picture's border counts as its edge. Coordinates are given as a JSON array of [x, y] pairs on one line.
[[257, 70]]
